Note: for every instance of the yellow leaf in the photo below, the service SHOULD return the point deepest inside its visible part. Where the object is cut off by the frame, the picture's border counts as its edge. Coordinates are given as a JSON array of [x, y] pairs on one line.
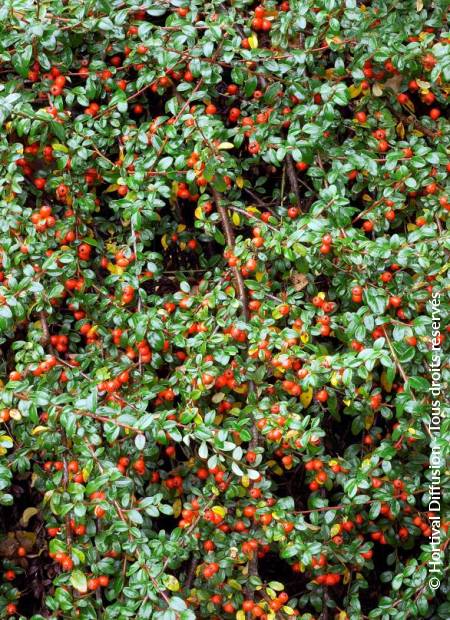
[[176, 508], [27, 514], [240, 615], [181, 227], [218, 397], [321, 295], [198, 213], [386, 385], [115, 269], [245, 481], [15, 414], [253, 41], [368, 422], [354, 91], [419, 5], [306, 397], [60, 147], [235, 219], [409, 104], [400, 129], [112, 248], [377, 89], [410, 227], [48, 496], [335, 530], [111, 188], [240, 182], [259, 276], [335, 379], [304, 337], [38, 430], [346, 576], [288, 610], [226, 145], [171, 583], [3, 451], [164, 242], [219, 510]]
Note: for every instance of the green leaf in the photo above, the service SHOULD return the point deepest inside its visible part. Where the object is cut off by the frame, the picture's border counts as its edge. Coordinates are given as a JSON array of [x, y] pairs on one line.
[[21, 60], [79, 581]]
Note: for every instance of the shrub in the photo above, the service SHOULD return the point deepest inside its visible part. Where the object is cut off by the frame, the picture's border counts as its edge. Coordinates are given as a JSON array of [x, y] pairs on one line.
[[224, 236]]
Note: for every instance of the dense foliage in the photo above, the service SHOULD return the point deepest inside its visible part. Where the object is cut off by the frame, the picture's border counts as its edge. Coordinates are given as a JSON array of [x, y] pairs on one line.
[[224, 230]]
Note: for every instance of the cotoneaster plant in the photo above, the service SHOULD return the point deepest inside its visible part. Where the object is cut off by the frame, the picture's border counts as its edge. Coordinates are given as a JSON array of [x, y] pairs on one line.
[[224, 237]]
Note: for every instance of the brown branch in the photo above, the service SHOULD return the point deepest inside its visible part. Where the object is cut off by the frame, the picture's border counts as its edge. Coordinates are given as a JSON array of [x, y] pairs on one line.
[[191, 573], [412, 120], [229, 236], [293, 182], [45, 332], [368, 210], [324, 614]]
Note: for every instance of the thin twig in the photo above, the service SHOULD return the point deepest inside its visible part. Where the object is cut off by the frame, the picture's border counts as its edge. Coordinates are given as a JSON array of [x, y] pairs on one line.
[[252, 216], [255, 197], [401, 371]]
